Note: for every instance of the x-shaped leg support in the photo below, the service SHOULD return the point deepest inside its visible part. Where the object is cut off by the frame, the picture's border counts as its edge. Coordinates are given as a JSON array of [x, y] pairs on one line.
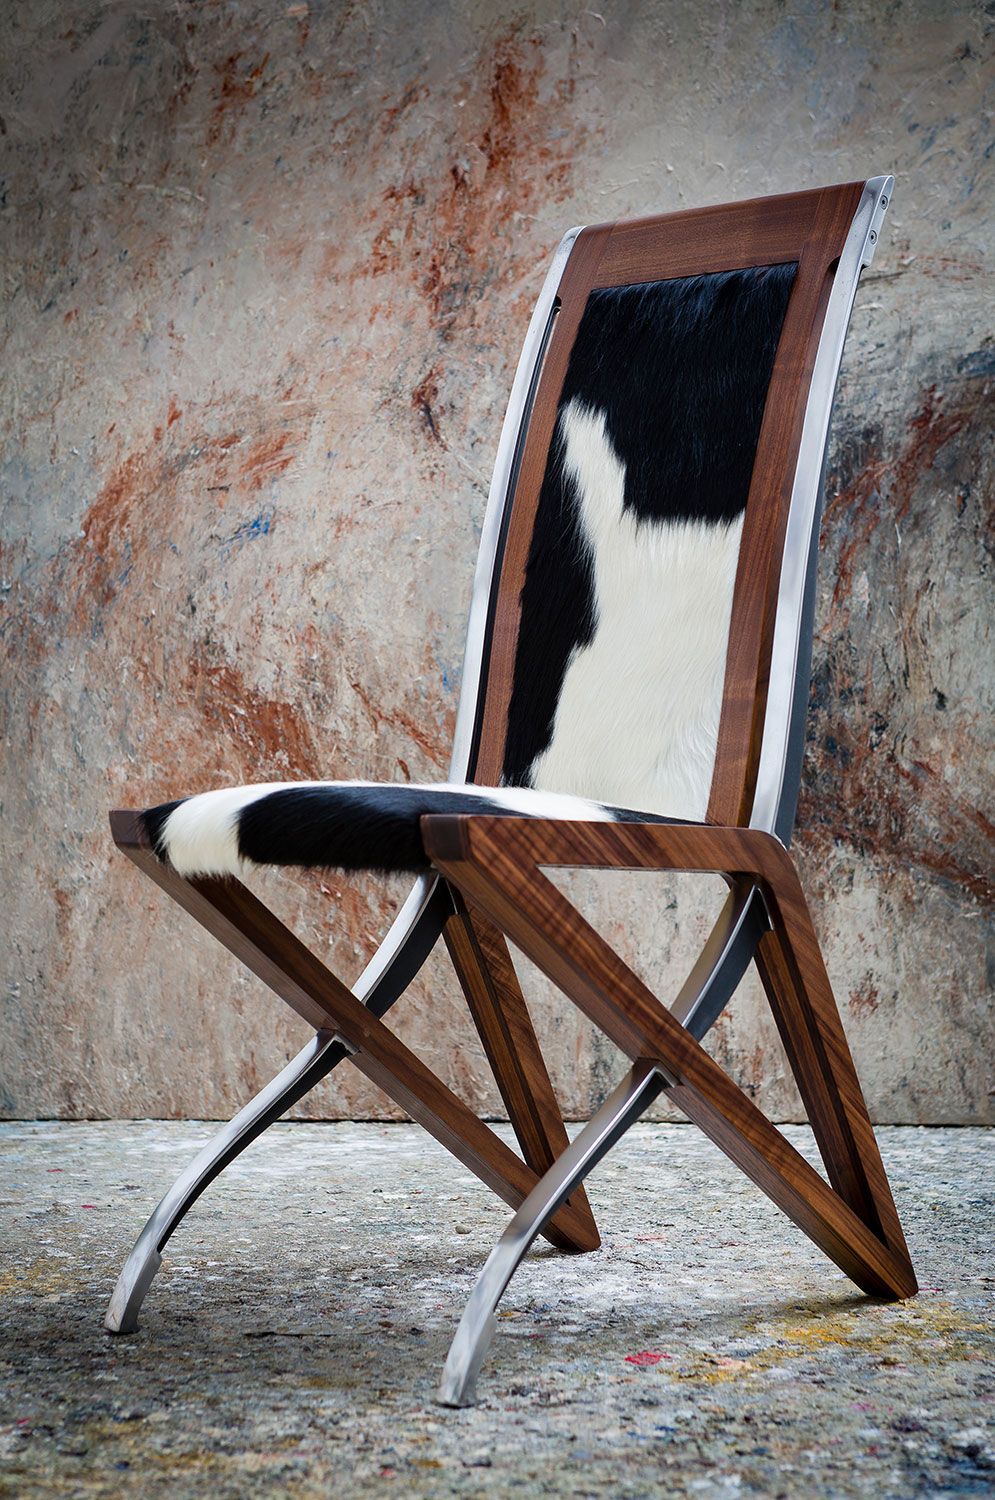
[[496, 862], [349, 1029]]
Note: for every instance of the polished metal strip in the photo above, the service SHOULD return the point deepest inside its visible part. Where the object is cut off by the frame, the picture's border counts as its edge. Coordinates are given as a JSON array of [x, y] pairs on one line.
[[777, 793], [300, 1075], [724, 959], [621, 1109]]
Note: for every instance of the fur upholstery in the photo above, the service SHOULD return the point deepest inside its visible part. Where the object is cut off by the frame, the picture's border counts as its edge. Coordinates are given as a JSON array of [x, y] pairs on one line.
[[346, 825], [629, 582], [626, 605], [655, 664]]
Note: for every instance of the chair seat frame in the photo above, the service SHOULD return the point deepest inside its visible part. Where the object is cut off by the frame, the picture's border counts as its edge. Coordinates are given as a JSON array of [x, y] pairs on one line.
[[486, 886]]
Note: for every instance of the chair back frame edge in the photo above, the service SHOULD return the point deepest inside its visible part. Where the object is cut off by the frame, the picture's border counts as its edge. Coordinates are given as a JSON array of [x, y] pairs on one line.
[[497, 513]]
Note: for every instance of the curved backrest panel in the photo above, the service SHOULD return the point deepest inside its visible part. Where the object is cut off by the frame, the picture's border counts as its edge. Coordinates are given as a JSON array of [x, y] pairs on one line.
[[626, 596]]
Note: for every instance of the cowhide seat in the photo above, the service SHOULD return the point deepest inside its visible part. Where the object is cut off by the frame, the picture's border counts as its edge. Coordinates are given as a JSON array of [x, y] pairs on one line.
[[634, 696]]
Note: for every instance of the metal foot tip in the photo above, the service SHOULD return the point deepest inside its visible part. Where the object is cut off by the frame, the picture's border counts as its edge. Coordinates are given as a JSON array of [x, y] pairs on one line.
[[454, 1393], [129, 1294]]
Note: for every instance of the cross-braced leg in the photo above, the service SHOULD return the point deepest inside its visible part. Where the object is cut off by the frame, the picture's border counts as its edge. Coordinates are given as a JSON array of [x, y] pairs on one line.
[[249, 930], [401, 954], [497, 869], [719, 967]]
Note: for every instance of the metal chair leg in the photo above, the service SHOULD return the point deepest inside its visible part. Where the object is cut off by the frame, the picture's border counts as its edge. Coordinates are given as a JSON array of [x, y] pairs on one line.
[[301, 1074], [621, 1109], [724, 959], [715, 975]]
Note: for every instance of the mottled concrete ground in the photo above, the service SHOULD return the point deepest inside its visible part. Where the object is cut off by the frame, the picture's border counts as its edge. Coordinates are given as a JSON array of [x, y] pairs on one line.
[[292, 1342]]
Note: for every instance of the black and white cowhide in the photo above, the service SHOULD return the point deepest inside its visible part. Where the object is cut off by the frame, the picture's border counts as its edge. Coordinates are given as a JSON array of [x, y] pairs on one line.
[[345, 825], [625, 609], [628, 590]]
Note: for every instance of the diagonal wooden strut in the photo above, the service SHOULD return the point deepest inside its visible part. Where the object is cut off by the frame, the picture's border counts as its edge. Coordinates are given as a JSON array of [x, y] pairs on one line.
[[494, 998], [495, 862], [819, 1057], [253, 934]]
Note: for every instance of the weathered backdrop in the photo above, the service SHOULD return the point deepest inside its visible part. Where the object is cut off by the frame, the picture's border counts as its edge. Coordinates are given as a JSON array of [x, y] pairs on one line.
[[267, 272]]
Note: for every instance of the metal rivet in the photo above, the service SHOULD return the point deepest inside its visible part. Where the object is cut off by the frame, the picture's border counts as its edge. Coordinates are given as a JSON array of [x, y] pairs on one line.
[[873, 236], [884, 203]]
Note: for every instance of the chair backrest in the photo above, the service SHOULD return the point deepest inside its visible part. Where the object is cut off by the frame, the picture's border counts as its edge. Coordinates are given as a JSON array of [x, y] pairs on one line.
[[641, 623]]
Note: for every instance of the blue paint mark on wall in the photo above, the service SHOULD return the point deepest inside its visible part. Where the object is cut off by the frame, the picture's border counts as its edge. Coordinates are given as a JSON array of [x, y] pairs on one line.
[[451, 676], [248, 531]]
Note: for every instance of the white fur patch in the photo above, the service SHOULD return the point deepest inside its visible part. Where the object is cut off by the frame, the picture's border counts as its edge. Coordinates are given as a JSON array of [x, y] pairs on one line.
[[200, 836], [638, 715]]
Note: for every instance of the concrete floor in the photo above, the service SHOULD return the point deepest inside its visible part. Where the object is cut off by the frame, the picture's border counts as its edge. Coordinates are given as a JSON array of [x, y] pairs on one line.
[[292, 1342]]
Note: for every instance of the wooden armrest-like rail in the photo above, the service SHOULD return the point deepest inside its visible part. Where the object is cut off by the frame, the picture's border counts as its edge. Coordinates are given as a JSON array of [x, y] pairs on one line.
[[610, 846]]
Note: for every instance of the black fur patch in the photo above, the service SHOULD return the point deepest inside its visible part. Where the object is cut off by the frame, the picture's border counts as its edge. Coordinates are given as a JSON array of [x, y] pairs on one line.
[[347, 827], [680, 370], [357, 827]]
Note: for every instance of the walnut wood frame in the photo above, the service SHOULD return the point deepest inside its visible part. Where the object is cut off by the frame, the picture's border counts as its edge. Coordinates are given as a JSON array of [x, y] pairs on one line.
[[487, 883], [496, 862]]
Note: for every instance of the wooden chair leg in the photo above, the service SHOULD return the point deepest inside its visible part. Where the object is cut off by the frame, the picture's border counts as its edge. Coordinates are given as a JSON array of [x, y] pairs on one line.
[[542, 922], [827, 1082], [794, 976], [250, 930], [494, 996]]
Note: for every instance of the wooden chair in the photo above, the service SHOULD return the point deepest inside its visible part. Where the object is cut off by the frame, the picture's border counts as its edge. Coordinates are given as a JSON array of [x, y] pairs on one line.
[[634, 695]]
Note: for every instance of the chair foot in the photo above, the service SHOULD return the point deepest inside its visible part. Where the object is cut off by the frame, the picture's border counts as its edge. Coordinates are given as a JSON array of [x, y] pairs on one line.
[[620, 1110], [296, 1079], [134, 1281]]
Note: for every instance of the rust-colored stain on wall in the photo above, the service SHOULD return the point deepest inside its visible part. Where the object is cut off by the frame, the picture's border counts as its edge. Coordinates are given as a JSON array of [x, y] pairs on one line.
[[267, 273]]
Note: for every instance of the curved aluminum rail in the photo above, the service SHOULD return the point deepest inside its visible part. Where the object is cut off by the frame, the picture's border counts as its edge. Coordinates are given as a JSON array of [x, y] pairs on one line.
[[621, 1109], [404, 949], [779, 773], [301, 1074]]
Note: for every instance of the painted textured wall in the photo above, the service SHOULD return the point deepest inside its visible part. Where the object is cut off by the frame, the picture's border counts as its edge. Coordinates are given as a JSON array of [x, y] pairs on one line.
[[267, 271]]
